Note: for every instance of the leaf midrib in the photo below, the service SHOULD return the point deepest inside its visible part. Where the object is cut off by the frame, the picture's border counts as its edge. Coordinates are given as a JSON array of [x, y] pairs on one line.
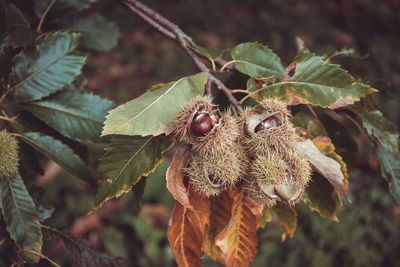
[[237, 234], [145, 109], [308, 84], [182, 234], [251, 63], [36, 73], [16, 204], [66, 111]]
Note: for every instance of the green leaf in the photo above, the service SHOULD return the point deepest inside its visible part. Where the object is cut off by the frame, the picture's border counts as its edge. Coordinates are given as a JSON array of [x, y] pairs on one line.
[[56, 64], [257, 60], [97, 32], [74, 114], [128, 159], [20, 215], [151, 113], [82, 253], [211, 54], [159, 86], [346, 52], [308, 121], [318, 83], [320, 196], [18, 31], [386, 139], [60, 8], [61, 154]]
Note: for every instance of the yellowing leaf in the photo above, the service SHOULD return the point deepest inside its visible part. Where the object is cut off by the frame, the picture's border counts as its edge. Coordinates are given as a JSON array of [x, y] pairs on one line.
[[185, 231], [320, 193], [326, 166], [324, 144], [287, 216], [151, 113], [238, 241], [266, 217], [318, 83]]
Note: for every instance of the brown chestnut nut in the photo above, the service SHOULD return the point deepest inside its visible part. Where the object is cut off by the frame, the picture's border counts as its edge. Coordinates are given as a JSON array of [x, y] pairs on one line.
[[201, 124], [260, 127], [269, 122], [272, 121], [214, 119]]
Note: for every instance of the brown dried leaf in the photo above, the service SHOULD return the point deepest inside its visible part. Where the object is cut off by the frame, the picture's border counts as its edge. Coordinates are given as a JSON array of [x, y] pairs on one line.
[[326, 166], [256, 208], [238, 241], [219, 217], [185, 230], [175, 177]]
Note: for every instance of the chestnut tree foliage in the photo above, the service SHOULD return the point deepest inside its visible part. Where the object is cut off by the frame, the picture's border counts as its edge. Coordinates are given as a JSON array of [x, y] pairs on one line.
[[45, 106]]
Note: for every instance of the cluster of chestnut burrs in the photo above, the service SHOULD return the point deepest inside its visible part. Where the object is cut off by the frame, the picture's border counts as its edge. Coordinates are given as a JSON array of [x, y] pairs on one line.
[[255, 148]]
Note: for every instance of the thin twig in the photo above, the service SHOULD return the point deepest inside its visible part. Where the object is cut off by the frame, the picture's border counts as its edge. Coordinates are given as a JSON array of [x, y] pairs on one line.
[[236, 91], [173, 32], [200, 65], [226, 65], [208, 87], [149, 21], [221, 62], [5, 118], [39, 27], [160, 19], [170, 25]]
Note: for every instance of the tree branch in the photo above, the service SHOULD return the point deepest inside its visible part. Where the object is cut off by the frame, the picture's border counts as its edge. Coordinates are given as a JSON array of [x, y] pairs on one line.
[[173, 32]]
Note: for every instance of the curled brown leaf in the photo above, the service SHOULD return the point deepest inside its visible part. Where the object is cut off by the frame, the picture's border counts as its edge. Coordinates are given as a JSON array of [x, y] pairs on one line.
[[175, 176]]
